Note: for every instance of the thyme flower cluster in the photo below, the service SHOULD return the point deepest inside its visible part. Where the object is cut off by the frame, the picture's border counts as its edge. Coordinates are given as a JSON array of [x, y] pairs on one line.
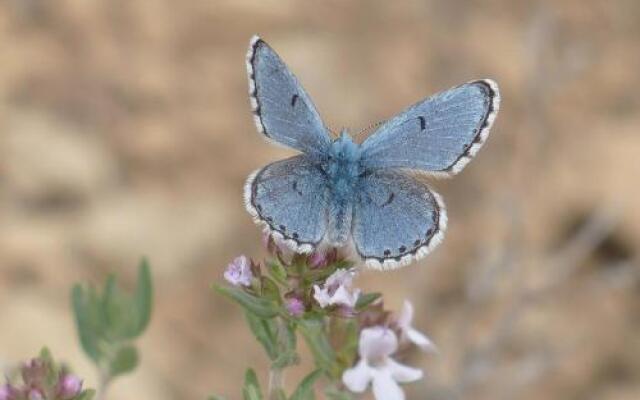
[[41, 379], [355, 341]]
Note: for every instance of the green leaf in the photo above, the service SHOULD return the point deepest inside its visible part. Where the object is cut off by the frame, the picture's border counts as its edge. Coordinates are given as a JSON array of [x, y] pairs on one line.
[[86, 313], [279, 394], [261, 307], [143, 297], [52, 369], [251, 389], [304, 391], [348, 352], [117, 310], [128, 315], [265, 330], [125, 361], [288, 338], [270, 289], [106, 323], [277, 272], [313, 331], [285, 358], [366, 299]]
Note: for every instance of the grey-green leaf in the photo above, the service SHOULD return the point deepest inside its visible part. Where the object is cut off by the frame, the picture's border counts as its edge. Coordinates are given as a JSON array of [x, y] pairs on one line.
[[265, 330], [313, 331], [277, 272], [143, 297], [251, 389], [304, 391], [261, 307], [85, 312], [125, 361], [366, 299]]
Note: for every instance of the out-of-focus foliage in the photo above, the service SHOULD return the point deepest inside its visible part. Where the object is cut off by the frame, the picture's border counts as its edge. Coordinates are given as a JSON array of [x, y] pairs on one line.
[[108, 322]]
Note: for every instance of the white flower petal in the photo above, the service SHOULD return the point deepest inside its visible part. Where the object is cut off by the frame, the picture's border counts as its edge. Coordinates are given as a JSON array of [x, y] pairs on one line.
[[357, 378], [321, 296], [238, 273], [402, 373], [406, 315], [420, 340], [385, 388], [377, 343], [341, 277], [343, 297]]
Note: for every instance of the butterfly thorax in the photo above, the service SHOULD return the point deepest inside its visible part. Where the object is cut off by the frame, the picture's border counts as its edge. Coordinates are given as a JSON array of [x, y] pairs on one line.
[[342, 167]]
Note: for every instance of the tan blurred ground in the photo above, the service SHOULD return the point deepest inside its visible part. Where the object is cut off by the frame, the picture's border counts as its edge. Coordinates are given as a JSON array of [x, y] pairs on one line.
[[125, 130]]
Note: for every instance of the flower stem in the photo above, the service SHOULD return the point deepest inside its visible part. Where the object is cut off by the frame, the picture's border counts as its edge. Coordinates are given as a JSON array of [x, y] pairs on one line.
[[276, 373], [103, 384], [276, 384]]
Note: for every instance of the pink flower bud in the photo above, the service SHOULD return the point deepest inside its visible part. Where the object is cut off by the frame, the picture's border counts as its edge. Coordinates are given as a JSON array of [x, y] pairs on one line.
[[69, 386], [294, 306], [317, 260], [7, 392]]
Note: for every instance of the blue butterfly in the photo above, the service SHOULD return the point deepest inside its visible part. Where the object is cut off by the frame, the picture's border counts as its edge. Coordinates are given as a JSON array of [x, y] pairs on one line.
[[340, 193]]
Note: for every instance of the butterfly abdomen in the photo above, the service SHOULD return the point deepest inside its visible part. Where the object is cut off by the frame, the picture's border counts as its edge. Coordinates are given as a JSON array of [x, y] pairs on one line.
[[340, 216], [342, 167]]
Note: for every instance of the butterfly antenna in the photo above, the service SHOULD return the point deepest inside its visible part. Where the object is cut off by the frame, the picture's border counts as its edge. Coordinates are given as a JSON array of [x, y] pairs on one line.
[[370, 128]]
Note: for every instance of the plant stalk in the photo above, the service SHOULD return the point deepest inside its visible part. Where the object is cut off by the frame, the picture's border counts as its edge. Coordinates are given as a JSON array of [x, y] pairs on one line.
[[103, 384], [276, 374]]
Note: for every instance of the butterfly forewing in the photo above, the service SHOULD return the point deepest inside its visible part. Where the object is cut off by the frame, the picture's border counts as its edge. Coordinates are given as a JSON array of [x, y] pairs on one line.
[[439, 134], [282, 109]]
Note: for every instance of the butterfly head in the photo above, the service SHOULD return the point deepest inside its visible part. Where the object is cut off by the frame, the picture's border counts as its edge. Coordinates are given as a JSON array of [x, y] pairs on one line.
[[344, 149]]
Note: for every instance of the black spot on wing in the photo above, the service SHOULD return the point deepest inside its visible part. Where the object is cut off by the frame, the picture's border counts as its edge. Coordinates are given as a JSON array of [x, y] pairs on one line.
[[294, 99], [389, 200], [295, 188]]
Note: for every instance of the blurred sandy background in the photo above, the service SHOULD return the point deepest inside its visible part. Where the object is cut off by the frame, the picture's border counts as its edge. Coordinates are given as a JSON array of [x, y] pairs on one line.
[[125, 130]]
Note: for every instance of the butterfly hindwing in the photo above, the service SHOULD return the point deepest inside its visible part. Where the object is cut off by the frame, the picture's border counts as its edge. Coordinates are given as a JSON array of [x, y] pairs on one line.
[[440, 134], [396, 219], [282, 109], [290, 197]]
